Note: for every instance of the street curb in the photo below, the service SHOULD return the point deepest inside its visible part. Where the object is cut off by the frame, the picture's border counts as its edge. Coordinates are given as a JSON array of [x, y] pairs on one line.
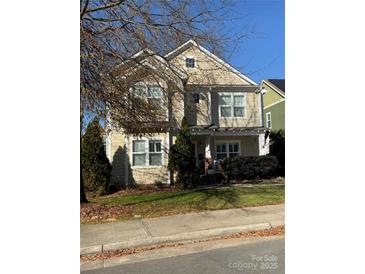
[[200, 234]]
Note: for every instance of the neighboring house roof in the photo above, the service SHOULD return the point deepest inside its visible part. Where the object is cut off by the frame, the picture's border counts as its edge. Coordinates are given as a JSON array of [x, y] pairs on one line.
[[191, 43], [277, 85]]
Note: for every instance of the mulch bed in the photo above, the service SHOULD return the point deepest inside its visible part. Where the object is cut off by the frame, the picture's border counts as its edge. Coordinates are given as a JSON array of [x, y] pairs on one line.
[[280, 230]]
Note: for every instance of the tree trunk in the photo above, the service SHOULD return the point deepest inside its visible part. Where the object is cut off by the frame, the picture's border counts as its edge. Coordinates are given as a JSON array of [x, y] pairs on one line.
[[83, 198]]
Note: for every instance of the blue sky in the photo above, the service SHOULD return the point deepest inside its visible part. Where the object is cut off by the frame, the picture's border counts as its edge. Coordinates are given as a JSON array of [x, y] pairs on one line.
[[261, 56]]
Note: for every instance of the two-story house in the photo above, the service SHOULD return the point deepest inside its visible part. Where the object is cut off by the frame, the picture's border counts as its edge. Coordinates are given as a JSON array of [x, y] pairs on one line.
[[274, 103], [223, 107]]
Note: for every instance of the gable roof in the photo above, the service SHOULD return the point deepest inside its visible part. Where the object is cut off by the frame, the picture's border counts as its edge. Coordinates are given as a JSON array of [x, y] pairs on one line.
[[147, 57], [277, 85], [191, 43]]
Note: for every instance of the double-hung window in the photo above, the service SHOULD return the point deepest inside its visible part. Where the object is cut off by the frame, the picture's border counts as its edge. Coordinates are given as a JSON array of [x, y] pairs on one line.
[[232, 105], [154, 95], [227, 149], [139, 89], [221, 151], [225, 105], [139, 153], [155, 153], [143, 156]]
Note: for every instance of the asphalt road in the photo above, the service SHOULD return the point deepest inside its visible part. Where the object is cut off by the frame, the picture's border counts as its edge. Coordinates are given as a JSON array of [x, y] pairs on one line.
[[260, 257]]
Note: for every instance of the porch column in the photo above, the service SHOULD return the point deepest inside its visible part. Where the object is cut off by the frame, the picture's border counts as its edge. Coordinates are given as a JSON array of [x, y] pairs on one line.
[[209, 102], [263, 144], [208, 154]]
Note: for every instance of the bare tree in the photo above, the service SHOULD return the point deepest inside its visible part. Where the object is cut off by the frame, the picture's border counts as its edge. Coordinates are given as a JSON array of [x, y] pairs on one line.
[[112, 31]]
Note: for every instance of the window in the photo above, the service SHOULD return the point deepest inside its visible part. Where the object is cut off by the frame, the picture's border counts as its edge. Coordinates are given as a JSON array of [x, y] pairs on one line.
[[190, 62], [140, 89], [268, 120], [225, 105], [231, 105], [229, 149], [155, 153], [139, 153], [196, 97], [154, 95], [221, 151], [143, 157], [238, 106]]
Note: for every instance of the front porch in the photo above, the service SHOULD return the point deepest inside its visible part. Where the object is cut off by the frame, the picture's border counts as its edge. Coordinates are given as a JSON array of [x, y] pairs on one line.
[[211, 145]]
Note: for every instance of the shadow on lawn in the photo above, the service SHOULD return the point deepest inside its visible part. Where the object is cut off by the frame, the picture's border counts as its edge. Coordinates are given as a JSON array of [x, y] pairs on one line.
[[195, 198], [157, 197], [223, 197]]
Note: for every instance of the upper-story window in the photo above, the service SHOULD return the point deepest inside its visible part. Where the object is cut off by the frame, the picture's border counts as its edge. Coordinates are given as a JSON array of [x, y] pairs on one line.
[[196, 97], [190, 62], [232, 105], [153, 93], [140, 89]]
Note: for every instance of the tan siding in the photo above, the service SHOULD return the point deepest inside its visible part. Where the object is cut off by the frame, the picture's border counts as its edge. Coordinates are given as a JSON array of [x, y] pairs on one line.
[[118, 158], [248, 144], [144, 175], [147, 175], [197, 113], [177, 107], [253, 112], [208, 71]]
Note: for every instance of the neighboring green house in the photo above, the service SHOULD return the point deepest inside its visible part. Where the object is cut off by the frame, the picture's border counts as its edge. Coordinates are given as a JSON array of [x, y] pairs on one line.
[[274, 103]]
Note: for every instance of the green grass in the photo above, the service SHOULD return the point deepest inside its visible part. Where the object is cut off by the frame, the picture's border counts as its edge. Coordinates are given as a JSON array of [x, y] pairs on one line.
[[169, 203]]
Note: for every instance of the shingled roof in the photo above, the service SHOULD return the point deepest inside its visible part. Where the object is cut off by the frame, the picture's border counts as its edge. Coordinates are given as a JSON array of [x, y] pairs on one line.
[[279, 83]]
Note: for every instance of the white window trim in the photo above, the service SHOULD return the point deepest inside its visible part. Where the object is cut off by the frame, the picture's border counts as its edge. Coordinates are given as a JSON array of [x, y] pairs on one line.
[[232, 94], [195, 62], [147, 152], [267, 119], [227, 145]]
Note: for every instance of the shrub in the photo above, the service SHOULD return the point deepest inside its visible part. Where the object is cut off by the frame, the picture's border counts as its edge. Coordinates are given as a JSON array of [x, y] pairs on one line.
[[96, 168], [277, 148], [182, 159], [159, 184], [250, 167]]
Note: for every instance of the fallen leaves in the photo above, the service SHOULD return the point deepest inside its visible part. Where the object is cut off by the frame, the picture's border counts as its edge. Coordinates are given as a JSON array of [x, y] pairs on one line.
[[280, 230], [96, 213]]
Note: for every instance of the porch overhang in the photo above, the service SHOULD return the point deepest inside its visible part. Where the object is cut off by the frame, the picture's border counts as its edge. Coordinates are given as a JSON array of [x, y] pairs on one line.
[[227, 131]]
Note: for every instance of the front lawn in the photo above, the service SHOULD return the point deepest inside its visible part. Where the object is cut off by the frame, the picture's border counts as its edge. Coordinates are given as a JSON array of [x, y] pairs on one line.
[[125, 207]]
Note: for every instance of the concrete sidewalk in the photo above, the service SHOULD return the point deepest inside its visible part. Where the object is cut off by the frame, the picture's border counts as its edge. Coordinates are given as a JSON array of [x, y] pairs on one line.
[[119, 235]]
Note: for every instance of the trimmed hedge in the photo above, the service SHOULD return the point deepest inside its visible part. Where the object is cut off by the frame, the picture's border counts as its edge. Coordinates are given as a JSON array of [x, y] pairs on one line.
[[250, 167]]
